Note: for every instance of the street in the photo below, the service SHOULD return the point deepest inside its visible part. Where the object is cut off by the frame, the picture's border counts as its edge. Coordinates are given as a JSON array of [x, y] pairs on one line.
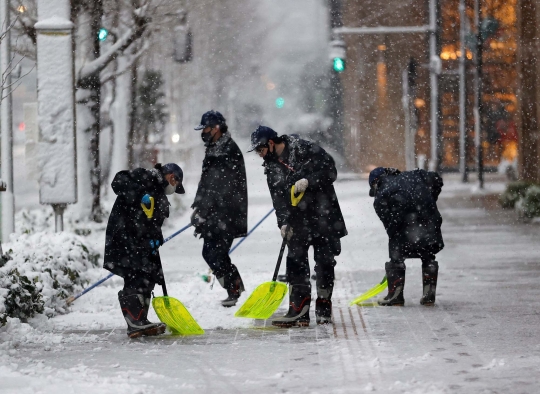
[[479, 337]]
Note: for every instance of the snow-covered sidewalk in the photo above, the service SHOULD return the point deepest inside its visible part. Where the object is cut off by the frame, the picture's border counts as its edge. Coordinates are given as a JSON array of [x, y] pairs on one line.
[[480, 337]]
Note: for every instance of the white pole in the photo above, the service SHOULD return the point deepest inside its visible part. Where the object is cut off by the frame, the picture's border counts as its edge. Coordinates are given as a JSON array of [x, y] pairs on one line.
[[462, 95], [382, 30], [409, 133], [434, 70], [8, 201], [56, 107]]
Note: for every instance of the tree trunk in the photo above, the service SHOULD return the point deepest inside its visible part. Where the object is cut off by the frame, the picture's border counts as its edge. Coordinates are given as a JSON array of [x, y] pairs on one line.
[[94, 85], [120, 111], [133, 115]]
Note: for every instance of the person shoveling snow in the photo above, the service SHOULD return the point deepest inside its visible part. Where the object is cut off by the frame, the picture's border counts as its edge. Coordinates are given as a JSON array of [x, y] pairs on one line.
[[134, 236]]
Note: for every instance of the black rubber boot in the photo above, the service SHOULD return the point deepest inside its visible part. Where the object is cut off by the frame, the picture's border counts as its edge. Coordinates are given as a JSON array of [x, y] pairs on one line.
[[234, 285], [430, 273], [323, 306], [299, 303], [395, 275], [135, 310]]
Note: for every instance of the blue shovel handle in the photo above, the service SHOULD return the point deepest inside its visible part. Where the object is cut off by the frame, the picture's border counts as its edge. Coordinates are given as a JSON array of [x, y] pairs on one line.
[[73, 298]]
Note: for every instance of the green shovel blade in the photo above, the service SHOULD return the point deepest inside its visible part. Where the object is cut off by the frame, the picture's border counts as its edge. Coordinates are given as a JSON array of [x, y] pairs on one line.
[[371, 292], [175, 315], [264, 301]]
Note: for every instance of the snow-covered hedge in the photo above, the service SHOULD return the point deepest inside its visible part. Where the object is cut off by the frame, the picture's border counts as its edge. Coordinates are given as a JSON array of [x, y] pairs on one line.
[[513, 193], [529, 205], [41, 270]]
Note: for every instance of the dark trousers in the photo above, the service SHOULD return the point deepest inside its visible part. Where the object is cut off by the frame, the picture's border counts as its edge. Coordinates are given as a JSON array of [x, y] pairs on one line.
[[136, 282], [398, 262], [216, 254], [298, 264]]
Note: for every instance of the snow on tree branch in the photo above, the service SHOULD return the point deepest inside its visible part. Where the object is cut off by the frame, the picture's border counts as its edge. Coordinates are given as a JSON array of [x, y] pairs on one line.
[[132, 59], [90, 70]]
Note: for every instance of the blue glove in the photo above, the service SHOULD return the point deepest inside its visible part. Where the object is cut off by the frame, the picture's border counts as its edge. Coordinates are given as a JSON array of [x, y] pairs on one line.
[[146, 199], [154, 245]]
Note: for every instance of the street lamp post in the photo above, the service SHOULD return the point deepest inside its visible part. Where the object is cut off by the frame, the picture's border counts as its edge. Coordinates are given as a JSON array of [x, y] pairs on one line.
[[463, 169], [478, 105]]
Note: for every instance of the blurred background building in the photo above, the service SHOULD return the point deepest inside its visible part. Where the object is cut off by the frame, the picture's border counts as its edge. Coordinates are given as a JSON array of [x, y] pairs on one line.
[[373, 89]]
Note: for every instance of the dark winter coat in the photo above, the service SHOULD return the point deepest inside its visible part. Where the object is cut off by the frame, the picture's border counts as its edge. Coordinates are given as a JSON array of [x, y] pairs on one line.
[[406, 203], [222, 193], [318, 213], [129, 231]]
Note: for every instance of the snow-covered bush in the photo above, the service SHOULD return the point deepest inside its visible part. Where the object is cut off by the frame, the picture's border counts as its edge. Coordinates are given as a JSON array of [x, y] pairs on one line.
[[44, 269], [19, 297], [529, 205], [514, 191]]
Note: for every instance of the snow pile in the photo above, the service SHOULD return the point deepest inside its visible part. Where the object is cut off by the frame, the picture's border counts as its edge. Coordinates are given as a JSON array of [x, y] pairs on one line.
[[16, 333], [41, 270], [42, 219], [20, 374]]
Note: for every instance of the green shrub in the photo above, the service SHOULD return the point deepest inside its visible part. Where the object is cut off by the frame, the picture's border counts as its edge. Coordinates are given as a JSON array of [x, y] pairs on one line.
[[513, 193], [21, 297], [41, 270], [529, 205]]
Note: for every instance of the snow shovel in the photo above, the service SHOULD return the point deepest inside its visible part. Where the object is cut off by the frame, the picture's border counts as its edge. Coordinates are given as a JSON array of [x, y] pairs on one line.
[[371, 292], [267, 297], [175, 315]]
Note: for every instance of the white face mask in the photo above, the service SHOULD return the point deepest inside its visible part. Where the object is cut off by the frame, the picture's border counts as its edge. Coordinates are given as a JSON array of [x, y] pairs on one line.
[[170, 189]]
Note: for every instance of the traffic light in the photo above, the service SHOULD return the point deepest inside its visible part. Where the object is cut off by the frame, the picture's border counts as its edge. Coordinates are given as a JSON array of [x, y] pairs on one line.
[[103, 34], [339, 64], [338, 55], [280, 102]]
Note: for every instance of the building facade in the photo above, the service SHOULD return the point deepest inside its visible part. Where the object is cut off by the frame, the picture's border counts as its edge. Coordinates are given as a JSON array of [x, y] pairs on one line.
[[374, 114]]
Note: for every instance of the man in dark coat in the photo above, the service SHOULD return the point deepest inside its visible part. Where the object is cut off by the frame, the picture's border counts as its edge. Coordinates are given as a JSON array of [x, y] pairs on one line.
[[220, 206], [134, 235], [406, 203], [316, 221]]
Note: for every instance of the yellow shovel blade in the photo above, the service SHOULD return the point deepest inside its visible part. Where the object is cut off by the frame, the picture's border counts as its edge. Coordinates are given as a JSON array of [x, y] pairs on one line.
[[175, 315], [264, 301], [371, 292]]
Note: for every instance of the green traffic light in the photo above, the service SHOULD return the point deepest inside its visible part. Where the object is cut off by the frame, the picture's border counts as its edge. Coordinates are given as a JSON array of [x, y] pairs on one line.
[[280, 102], [339, 65], [103, 34]]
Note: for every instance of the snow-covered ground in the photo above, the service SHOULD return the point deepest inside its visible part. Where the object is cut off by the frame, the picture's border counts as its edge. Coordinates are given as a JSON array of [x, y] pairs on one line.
[[481, 336]]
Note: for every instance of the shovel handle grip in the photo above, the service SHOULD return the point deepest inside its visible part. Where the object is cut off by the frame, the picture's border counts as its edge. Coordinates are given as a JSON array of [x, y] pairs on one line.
[[281, 253], [149, 212], [294, 199]]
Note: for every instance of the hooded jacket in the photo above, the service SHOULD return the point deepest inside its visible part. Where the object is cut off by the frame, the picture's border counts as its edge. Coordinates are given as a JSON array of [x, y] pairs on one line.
[[129, 231], [406, 203]]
